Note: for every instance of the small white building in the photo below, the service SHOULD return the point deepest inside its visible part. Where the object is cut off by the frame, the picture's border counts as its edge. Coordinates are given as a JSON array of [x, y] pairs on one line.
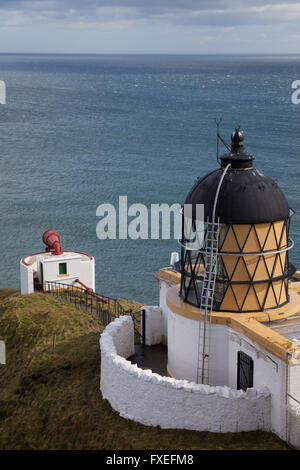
[[53, 265]]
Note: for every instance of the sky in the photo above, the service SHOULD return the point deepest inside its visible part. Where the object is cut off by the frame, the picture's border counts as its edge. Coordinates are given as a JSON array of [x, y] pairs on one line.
[[150, 26]]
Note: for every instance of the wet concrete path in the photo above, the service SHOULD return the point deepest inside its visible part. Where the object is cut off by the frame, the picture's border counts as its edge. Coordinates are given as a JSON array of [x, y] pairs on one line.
[[151, 357]]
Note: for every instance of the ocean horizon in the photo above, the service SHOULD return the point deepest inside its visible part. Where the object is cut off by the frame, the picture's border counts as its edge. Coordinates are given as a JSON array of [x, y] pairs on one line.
[[80, 130]]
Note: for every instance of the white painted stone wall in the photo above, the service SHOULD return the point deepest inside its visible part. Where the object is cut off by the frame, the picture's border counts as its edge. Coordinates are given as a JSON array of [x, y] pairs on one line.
[[26, 278], [153, 325], [150, 399]]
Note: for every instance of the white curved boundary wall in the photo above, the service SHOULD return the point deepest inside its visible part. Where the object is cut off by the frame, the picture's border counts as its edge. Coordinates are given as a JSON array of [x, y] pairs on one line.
[[26, 276], [150, 399]]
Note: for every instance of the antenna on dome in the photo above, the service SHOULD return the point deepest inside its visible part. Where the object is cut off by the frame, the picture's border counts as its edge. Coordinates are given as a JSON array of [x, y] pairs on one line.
[[218, 123]]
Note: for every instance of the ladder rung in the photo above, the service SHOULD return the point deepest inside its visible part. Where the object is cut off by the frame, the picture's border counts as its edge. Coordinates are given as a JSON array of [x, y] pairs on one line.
[[208, 294], [207, 299]]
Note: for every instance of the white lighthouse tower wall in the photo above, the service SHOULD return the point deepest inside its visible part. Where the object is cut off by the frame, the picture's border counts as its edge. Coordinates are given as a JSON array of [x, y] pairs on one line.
[[183, 339]]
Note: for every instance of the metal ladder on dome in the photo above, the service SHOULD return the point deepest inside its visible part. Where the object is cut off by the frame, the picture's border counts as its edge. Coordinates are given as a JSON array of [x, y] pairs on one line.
[[208, 289], [206, 300]]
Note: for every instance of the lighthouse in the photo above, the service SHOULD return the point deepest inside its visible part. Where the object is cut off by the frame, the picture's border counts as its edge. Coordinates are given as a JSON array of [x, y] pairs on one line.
[[251, 221], [222, 306], [229, 315]]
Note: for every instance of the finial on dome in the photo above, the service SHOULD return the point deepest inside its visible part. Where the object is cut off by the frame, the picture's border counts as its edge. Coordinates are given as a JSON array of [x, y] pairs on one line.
[[237, 140], [237, 157]]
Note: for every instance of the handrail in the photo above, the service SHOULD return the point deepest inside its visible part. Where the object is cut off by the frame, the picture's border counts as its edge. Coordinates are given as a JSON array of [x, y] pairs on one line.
[[288, 247], [106, 307], [293, 398], [91, 292], [218, 191], [106, 299]]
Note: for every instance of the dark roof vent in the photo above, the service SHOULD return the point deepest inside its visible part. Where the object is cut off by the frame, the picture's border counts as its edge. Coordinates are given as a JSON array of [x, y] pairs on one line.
[[238, 158], [237, 140]]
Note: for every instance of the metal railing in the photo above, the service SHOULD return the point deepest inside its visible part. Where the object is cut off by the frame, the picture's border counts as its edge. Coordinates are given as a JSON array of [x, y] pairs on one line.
[[106, 308]]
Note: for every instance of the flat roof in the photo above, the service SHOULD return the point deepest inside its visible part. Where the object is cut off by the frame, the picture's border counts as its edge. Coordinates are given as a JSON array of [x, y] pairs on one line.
[[49, 256], [287, 327]]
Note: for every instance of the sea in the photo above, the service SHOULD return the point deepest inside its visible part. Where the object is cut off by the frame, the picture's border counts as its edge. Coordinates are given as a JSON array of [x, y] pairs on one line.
[[78, 131]]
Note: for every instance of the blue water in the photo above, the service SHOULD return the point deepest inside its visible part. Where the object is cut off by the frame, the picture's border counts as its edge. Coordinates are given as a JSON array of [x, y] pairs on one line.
[[78, 131]]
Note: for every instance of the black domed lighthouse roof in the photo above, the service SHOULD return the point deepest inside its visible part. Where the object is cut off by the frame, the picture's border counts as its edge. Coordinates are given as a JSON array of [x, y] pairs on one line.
[[246, 195]]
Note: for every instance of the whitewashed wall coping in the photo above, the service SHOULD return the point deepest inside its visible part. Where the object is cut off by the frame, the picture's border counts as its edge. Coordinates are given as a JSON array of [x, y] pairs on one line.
[[151, 399]]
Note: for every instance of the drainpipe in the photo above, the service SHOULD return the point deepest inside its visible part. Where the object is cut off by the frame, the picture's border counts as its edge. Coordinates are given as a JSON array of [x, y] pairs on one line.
[[286, 397]]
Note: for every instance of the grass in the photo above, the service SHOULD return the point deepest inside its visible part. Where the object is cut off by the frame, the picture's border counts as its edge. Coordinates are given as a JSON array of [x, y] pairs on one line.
[[52, 400]]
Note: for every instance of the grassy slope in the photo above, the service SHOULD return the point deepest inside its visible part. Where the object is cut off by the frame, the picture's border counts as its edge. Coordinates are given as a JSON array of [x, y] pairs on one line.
[[52, 401]]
